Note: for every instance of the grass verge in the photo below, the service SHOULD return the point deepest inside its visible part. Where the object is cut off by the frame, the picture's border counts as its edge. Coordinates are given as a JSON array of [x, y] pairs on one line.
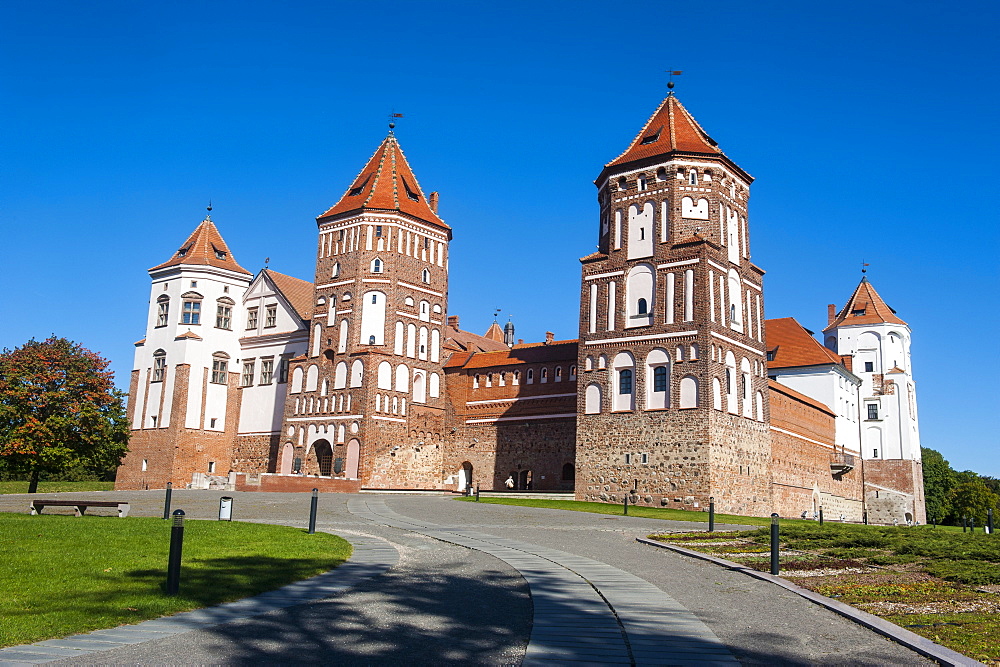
[[617, 510], [943, 585], [56, 487], [64, 575]]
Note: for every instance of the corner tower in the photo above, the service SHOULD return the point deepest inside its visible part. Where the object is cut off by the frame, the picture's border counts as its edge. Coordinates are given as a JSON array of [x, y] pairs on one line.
[[367, 401], [879, 342], [183, 401], [672, 396]]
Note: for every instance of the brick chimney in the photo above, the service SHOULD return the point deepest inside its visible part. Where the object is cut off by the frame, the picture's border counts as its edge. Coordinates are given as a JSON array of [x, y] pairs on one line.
[[549, 337], [831, 313], [432, 201], [453, 321], [520, 341]]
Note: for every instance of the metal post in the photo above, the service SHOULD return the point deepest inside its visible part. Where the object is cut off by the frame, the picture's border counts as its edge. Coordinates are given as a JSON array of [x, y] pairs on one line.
[[821, 515], [972, 524], [477, 493], [774, 543], [626, 504], [865, 516], [965, 523], [174, 559], [312, 511], [711, 514], [166, 501], [989, 521]]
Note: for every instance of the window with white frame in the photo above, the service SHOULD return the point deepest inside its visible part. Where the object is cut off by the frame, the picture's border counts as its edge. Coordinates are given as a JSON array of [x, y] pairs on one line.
[[191, 313], [159, 366], [251, 318], [220, 368], [162, 310], [266, 371], [224, 313], [271, 316], [248, 368]]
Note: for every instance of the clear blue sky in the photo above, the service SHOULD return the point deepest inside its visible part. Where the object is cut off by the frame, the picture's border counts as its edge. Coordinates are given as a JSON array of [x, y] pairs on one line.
[[871, 129]]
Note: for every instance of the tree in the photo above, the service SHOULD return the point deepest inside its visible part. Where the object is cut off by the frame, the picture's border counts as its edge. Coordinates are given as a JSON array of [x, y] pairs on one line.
[[59, 408], [939, 480], [973, 498]]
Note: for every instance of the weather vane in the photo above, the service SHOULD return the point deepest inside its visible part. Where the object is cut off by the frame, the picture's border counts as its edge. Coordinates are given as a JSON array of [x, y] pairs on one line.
[[209, 207], [864, 270], [496, 313], [392, 121], [672, 73]]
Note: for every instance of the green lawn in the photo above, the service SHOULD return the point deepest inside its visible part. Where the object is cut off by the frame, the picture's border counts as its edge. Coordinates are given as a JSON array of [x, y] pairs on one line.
[[62, 575], [56, 487], [633, 510]]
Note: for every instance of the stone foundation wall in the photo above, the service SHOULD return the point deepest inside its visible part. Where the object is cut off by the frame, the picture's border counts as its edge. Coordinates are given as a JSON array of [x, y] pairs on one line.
[[256, 453], [295, 484], [894, 491]]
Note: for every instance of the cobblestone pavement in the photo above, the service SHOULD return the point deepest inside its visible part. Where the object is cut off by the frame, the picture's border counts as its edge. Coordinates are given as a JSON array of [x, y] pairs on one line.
[[475, 583]]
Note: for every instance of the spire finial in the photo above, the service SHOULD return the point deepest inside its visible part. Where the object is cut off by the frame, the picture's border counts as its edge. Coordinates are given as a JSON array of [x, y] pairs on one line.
[[208, 216], [864, 268], [670, 81], [496, 313], [392, 124], [267, 260]]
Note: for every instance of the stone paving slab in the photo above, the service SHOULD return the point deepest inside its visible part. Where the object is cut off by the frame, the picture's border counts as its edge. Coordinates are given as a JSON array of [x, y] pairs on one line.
[[584, 611]]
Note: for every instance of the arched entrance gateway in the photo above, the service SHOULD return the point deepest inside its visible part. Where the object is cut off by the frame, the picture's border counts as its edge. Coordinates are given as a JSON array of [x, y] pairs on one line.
[[324, 457], [465, 477], [353, 458]]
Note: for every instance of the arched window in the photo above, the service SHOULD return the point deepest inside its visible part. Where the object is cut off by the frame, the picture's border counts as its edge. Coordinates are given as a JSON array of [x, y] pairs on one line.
[[568, 472], [159, 366], [558, 375], [716, 394], [640, 287], [426, 277], [622, 184], [732, 402], [531, 376], [689, 392], [419, 387], [641, 307], [624, 381], [592, 399], [657, 379], [162, 310], [588, 364], [516, 378], [335, 271], [692, 177], [376, 265], [572, 372], [602, 361], [545, 375]]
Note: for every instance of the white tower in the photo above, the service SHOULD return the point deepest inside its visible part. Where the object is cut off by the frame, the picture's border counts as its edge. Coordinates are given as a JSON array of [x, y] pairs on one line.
[[183, 404], [879, 341]]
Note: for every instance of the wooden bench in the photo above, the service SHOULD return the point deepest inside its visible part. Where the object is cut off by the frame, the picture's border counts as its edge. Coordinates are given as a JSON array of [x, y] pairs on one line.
[[79, 506]]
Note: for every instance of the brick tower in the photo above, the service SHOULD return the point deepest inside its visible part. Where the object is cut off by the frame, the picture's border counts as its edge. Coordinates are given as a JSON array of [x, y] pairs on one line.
[[182, 402], [367, 401], [672, 396]]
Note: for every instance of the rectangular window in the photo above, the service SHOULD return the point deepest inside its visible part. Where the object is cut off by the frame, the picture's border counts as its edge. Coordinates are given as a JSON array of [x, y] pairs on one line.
[[252, 318], [152, 419], [266, 371], [283, 370], [162, 313], [873, 411], [220, 368], [159, 368], [645, 458], [145, 465], [378, 230], [248, 373], [192, 312], [869, 367], [628, 458], [211, 464], [271, 316], [223, 316]]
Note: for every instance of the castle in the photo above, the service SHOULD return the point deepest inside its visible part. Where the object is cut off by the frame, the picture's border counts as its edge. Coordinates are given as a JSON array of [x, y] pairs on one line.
[[678, 391]]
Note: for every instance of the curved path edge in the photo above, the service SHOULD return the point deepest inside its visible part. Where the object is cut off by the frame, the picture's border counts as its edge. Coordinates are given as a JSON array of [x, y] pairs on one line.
[[910, 640], [371, 556]]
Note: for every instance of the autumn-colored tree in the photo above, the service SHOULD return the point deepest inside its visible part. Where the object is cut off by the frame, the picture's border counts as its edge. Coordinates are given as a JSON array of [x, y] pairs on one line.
[[58, 408]]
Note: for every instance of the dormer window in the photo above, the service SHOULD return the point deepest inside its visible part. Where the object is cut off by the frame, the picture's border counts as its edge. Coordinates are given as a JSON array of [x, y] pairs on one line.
[[651, 138], [356, 191], [182, 252], [413, 196], [219, 254]]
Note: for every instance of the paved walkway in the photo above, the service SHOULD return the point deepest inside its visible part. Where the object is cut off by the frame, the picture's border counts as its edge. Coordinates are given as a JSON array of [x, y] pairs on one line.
[[473, 583]]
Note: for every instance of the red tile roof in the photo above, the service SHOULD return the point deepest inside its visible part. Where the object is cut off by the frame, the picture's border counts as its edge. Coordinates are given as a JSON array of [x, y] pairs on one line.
[[793, 346], [298, 292], [865, 307], [387, 184], [205, 247], [563, 350], [460, 341], [494, 333], [670, 128]]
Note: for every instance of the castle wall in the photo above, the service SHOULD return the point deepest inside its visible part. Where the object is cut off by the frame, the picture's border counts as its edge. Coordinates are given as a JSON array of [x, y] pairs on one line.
[[894, 491], [802, 446]]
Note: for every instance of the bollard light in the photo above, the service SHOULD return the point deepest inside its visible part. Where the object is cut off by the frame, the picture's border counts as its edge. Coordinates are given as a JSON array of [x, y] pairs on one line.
[[313, 504], [477, 493], [711, 514], [774, 543], [174, 558], [989, 521], [821, 515], [626, 504], [166, 500]]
